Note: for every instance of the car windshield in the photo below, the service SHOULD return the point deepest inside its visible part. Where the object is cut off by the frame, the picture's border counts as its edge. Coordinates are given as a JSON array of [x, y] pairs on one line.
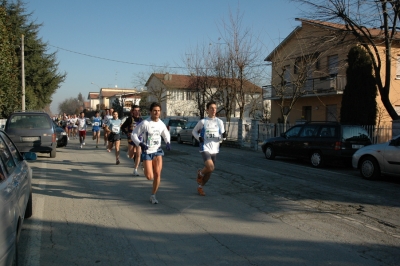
[[29, 121]]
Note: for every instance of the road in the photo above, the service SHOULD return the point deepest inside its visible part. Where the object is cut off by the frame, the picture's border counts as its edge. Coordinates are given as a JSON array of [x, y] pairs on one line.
[[89, 211]]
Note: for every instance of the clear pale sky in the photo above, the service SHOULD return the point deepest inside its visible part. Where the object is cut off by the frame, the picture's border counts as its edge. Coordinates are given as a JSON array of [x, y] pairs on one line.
[[142, 34]]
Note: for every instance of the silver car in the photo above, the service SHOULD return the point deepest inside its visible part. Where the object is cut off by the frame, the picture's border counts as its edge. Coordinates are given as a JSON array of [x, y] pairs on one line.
[[185, 135], [377, 159], [15, 197]]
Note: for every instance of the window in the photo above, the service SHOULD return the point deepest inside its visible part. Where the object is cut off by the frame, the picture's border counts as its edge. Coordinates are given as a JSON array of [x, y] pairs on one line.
[[6, 157], [14, 152], [333, 64], [327, 131], [293, 132], [309, 131], [287, 73]]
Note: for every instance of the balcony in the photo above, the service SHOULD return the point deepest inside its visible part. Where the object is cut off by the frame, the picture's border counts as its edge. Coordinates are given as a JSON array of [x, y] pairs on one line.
[[329, 85]]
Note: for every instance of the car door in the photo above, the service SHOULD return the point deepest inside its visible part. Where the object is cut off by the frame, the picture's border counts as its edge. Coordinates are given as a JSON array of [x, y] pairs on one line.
[[186, 132], [304, 141], [284, 146], [9, 204], [391, 157]]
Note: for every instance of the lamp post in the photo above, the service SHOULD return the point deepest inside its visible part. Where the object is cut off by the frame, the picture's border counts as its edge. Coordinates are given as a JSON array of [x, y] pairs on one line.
[[100, 99]]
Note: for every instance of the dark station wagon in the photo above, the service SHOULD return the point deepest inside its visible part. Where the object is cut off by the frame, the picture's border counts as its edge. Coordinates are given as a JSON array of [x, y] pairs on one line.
[[318, 142]]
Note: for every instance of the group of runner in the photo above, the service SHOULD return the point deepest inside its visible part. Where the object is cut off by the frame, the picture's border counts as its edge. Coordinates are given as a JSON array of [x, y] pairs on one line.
[[144, 140]]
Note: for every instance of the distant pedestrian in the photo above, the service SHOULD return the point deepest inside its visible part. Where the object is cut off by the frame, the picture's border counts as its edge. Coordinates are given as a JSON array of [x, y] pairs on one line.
[[106, 117], [152, 129], [113, 129], [82, 126], [209, 132]]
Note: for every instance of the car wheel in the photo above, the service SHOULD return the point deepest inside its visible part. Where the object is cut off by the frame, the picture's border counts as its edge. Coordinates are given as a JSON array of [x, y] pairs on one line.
[[269, 153], [53, 153], [29, 209], [179, 139], [316, 159], [194, 142], [369, 168]]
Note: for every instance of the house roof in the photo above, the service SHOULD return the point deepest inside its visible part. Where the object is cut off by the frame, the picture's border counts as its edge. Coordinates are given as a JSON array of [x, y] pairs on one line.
[[93, 95], [375, 33], [109, 92], [177, 81]]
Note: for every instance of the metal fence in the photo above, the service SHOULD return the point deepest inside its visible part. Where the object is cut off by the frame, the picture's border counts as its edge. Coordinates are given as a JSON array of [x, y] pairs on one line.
[[378, 134]]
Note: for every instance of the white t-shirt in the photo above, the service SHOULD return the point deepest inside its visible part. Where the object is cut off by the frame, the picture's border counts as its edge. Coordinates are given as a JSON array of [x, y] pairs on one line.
[[152, 132], [73, 121], [211, 130], [81, 124]]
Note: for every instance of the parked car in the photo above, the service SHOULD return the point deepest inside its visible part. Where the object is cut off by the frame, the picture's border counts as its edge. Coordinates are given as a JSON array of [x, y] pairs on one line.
[[174, 126], [32, 131], [377, 159], [15, 197], [62, 137], [185, 135], [319, 142]]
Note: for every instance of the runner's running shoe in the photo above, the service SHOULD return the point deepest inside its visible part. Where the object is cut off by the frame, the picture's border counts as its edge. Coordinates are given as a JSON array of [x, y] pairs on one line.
[[201, 191], [153, 199], [135, 172]]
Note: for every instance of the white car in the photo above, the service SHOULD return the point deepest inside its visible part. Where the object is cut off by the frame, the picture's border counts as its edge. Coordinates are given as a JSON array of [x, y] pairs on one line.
[[377, 159]]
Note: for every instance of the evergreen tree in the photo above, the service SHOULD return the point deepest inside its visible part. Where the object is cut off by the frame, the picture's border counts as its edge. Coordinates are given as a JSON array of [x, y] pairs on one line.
[[41, 69], [8, 69], [359, 97]]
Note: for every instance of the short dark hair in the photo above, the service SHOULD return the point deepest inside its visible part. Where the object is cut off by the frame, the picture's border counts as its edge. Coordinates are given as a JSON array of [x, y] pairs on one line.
[[154, 104], [209, 103], [135, 106]]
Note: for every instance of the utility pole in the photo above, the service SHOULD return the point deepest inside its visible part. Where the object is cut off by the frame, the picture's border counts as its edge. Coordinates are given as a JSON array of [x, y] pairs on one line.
[[23, 73]]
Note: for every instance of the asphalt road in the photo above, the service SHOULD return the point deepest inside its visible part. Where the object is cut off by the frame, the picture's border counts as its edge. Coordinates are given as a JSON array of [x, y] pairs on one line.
[[89, 211]]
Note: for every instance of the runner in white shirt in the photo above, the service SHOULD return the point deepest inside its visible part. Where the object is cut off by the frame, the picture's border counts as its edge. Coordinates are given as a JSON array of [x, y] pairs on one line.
[[74, 126], [81, 122], [209, 132], [113, 129], [152, 129]]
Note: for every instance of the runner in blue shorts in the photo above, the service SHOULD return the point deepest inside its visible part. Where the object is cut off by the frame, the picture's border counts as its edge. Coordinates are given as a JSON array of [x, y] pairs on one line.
[[96, 128], [152, 129]]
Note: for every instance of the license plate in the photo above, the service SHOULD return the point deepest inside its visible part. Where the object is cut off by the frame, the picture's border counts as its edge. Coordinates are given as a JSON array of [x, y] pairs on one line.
[[29, 139], [354, 146]]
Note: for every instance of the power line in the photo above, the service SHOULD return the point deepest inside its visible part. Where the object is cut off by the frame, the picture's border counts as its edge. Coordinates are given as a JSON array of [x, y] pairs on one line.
[[113, 60]]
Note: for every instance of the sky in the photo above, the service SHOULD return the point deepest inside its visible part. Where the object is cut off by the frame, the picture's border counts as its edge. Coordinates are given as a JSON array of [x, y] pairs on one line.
[[107, 44]]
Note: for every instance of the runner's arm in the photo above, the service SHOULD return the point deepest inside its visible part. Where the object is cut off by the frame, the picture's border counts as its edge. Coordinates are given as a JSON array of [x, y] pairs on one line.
[[197, 129], [136, 132]]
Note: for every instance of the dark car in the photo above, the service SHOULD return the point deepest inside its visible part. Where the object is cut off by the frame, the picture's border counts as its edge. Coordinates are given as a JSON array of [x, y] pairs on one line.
[[32, 131], [15, 197], [319, 142], [185, 135], [62, 137], [174, 126]]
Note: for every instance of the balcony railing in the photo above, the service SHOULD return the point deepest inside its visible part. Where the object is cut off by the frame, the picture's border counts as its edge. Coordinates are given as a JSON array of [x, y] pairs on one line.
[[324, 85]]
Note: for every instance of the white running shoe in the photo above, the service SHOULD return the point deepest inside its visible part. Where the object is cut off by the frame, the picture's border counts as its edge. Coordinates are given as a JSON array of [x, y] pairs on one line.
[[81, 146], [153, 199], [135, 173]]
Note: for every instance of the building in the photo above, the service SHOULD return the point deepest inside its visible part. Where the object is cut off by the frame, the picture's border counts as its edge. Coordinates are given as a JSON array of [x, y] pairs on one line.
[[321, 96], [107, 96], [177, 95]]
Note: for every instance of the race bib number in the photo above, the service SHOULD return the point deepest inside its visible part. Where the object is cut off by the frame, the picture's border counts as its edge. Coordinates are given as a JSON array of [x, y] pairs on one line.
[[96, 124], [155, 140], [115, 129], [212, 134]]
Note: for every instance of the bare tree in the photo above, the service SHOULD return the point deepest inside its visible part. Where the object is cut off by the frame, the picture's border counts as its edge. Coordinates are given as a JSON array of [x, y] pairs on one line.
[[373, 24]]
